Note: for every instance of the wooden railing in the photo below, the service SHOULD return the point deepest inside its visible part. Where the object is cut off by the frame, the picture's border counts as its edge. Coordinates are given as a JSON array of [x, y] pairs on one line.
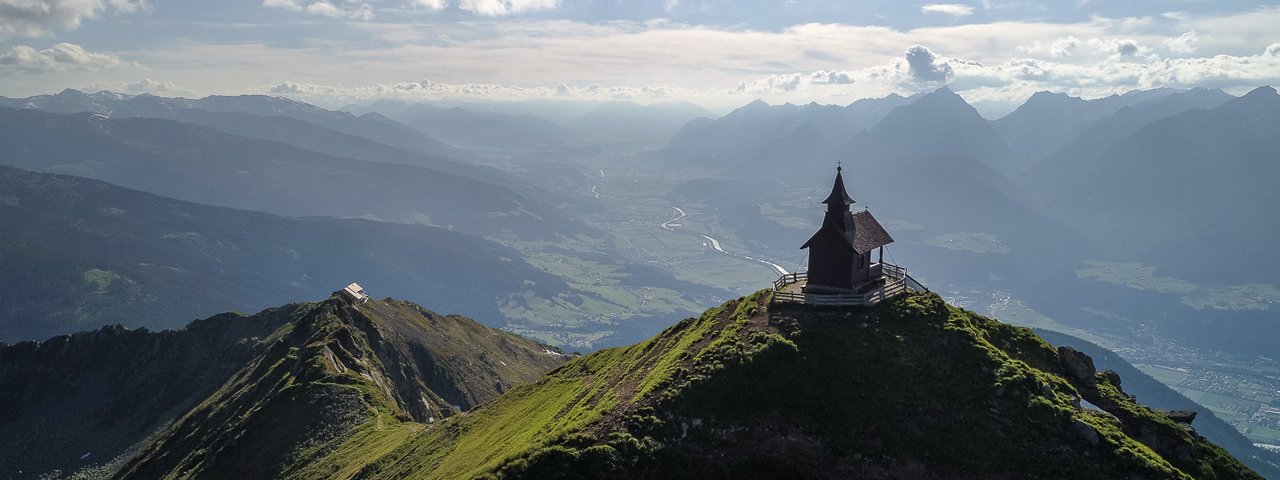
[[897, 281], [789, 279]]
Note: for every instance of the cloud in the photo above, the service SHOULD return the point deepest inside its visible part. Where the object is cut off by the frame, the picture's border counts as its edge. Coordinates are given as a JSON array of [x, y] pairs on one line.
[[326, 8], [1185, 43], [492, 8], [1118, 48], [430, 90], [1273, 50], [1060, 48], [924, 66], [435, 5], [771, 84], [953, 9], [794, 82], [1064, 47], [294, 5], [832, 77], [59, 58], [363, 10], [157, 87], [35, 18]]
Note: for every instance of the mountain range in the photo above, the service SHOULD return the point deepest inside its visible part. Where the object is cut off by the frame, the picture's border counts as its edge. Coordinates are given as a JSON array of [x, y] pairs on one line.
[[90, 254], [204, 165]]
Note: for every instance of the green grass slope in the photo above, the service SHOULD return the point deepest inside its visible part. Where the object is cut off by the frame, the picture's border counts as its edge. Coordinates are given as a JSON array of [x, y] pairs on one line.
[[339, 373], [256, 396], [912, 388]]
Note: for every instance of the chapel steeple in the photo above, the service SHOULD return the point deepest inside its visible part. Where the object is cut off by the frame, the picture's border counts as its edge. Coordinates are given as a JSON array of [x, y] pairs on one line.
[[839, 197]]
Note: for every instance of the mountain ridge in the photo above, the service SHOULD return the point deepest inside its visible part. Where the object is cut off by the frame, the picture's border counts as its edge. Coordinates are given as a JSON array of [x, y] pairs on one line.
[[247, 394], [92, 253]]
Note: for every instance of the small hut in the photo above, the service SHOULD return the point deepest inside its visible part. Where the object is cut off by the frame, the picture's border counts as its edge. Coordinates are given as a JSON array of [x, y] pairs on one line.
[[355, 293], [841, 271], [840, 251]]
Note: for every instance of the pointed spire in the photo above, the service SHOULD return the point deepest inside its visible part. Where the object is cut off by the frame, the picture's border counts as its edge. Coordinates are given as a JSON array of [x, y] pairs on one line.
[[839, 196]]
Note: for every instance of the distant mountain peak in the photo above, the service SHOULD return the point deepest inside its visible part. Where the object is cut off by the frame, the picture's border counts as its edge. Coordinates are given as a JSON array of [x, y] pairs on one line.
[[1261, 92]]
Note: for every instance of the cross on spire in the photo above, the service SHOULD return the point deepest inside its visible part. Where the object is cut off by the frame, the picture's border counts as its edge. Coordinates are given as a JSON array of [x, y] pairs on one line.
[[839, 198]]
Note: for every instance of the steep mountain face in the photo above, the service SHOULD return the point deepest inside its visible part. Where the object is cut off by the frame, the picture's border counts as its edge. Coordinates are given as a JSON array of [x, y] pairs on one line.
[[207, 166], [1200, 179], [730, 138], [1048, 122], [1157, 395], [910, 389], [1067, 165], [253, 397], [90, 254], [1045, 123], [1191, 197], [81, 401], [938, 123]]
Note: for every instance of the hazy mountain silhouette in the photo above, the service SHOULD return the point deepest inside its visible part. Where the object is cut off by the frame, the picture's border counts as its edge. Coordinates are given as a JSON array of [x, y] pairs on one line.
[[1186, 185], [85, 253], [481, 129], [372, 127], [208, 166], [938, 123], [1064, 167], [759, 134], [629, 122]]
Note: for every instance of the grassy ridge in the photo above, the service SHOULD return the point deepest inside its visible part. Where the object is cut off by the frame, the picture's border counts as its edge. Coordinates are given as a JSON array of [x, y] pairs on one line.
[[909, 389], [340, 383]]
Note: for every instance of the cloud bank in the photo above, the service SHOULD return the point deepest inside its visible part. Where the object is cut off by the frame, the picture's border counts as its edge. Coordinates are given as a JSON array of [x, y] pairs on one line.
[[37, 18], [59, 58], [362, 10], [953, 9]]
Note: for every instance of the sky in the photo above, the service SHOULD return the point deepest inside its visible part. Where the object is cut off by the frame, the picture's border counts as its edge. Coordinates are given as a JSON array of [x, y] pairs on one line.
[[716, 53]]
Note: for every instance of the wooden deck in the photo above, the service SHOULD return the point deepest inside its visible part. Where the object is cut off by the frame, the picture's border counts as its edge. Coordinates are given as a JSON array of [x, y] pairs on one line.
[[790, 289]]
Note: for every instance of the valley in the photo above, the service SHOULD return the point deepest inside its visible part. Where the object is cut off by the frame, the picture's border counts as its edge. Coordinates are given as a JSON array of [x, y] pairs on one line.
[[628, 239]]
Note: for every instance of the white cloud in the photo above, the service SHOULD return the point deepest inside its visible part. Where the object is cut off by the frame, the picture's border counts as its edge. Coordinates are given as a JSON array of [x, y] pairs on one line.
[[35, 18], [326, 8], [364, 10], [1064, 47], [1060, 48], [831, 77], [435, 5], [953, 9], [156, 87], [1273, 50], [771, 84], [491, 8], [60, 57], [294, 5], [1185, 43], [431, 90]]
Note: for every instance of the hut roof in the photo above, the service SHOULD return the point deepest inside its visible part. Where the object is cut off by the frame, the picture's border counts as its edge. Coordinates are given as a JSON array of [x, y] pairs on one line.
[[862, 232]]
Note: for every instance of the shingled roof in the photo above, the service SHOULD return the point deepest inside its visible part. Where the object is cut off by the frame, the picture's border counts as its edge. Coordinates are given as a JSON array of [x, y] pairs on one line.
[[862, 232], [867, 233]]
